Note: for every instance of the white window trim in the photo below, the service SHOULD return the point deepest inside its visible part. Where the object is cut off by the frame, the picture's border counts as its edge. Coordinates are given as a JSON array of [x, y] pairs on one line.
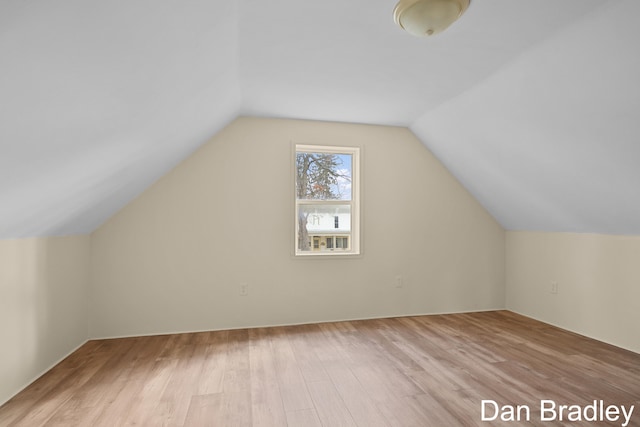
[[355, 202]]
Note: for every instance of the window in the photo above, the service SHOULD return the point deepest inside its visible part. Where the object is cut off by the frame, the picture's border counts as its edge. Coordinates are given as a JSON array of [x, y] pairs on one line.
[[329, 242], [327, 210]]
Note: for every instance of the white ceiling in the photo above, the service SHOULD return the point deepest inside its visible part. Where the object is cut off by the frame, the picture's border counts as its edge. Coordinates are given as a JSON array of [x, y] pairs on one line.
[[533, 104]]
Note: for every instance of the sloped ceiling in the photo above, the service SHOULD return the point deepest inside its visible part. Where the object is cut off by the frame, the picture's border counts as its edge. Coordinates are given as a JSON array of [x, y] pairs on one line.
[[101, 98], [551, 141], [532, 104]]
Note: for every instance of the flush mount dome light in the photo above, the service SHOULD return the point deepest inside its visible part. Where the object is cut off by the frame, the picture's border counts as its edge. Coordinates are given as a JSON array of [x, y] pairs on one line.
[[428, 17]]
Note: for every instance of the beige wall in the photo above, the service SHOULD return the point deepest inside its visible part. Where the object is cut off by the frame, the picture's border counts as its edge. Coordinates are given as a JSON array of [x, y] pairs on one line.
[[43, 306], [173, 259], [598, 280]]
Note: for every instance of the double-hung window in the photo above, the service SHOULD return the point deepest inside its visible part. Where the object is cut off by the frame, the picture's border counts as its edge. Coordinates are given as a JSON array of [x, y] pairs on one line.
[[327, 204]]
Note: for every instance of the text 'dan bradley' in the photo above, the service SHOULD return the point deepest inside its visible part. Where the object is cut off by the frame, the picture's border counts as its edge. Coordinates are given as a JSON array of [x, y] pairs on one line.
[[549, 410]]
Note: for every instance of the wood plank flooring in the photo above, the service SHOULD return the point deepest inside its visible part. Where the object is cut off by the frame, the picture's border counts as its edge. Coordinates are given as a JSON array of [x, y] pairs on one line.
[[411, 371]]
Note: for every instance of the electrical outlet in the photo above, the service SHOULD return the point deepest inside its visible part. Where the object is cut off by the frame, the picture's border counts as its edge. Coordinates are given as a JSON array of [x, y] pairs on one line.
[[244, 289], [554, 287], [398, 281]]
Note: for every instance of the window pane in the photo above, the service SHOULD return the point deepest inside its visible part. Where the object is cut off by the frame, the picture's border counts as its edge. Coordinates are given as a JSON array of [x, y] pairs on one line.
[[317, 220], [323, 176]]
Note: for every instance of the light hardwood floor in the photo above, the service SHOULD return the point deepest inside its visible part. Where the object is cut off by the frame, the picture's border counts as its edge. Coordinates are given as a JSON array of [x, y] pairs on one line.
[[411, 371]]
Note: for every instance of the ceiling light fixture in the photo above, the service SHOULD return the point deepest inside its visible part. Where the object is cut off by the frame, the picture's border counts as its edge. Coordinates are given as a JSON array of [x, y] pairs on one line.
[[428, 17]]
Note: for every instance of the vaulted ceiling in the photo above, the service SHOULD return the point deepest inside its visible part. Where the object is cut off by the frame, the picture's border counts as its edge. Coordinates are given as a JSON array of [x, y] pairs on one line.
[[533, 105]]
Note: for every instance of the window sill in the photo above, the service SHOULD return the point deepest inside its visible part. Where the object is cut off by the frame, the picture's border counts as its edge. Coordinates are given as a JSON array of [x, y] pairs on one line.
[[327, 255]]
